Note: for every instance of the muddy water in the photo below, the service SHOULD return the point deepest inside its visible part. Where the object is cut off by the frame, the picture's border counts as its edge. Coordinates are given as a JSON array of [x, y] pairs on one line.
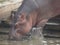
[[35, 40]]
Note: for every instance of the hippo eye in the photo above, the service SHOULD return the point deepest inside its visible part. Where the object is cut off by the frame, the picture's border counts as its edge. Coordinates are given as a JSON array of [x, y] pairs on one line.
[[16, 26]]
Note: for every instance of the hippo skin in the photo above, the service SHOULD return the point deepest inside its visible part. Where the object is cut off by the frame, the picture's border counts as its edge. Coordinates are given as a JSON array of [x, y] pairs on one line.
[[33, 13]]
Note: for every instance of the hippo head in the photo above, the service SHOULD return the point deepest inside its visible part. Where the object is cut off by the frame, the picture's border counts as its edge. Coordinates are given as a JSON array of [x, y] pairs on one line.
[[22, 26]]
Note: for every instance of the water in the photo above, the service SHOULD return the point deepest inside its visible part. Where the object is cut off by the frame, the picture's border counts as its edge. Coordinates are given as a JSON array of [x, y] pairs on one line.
[[35, 40]]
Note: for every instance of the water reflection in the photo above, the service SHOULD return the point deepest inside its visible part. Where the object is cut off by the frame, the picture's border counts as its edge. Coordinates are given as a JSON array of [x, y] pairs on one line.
[[35, 40]]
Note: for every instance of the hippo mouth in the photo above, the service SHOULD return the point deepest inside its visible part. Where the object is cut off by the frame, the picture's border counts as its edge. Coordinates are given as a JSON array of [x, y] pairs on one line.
[[19, 35]]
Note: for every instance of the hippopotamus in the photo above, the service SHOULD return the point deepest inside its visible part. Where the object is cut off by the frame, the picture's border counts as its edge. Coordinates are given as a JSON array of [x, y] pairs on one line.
[[33, 13]]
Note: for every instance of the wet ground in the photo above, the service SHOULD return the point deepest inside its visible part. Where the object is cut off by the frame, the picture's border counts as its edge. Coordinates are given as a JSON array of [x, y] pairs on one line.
[[33, 41]]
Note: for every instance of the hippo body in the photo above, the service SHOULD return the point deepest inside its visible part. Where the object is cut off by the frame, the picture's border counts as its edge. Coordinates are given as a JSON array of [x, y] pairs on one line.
[[33, 13]]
